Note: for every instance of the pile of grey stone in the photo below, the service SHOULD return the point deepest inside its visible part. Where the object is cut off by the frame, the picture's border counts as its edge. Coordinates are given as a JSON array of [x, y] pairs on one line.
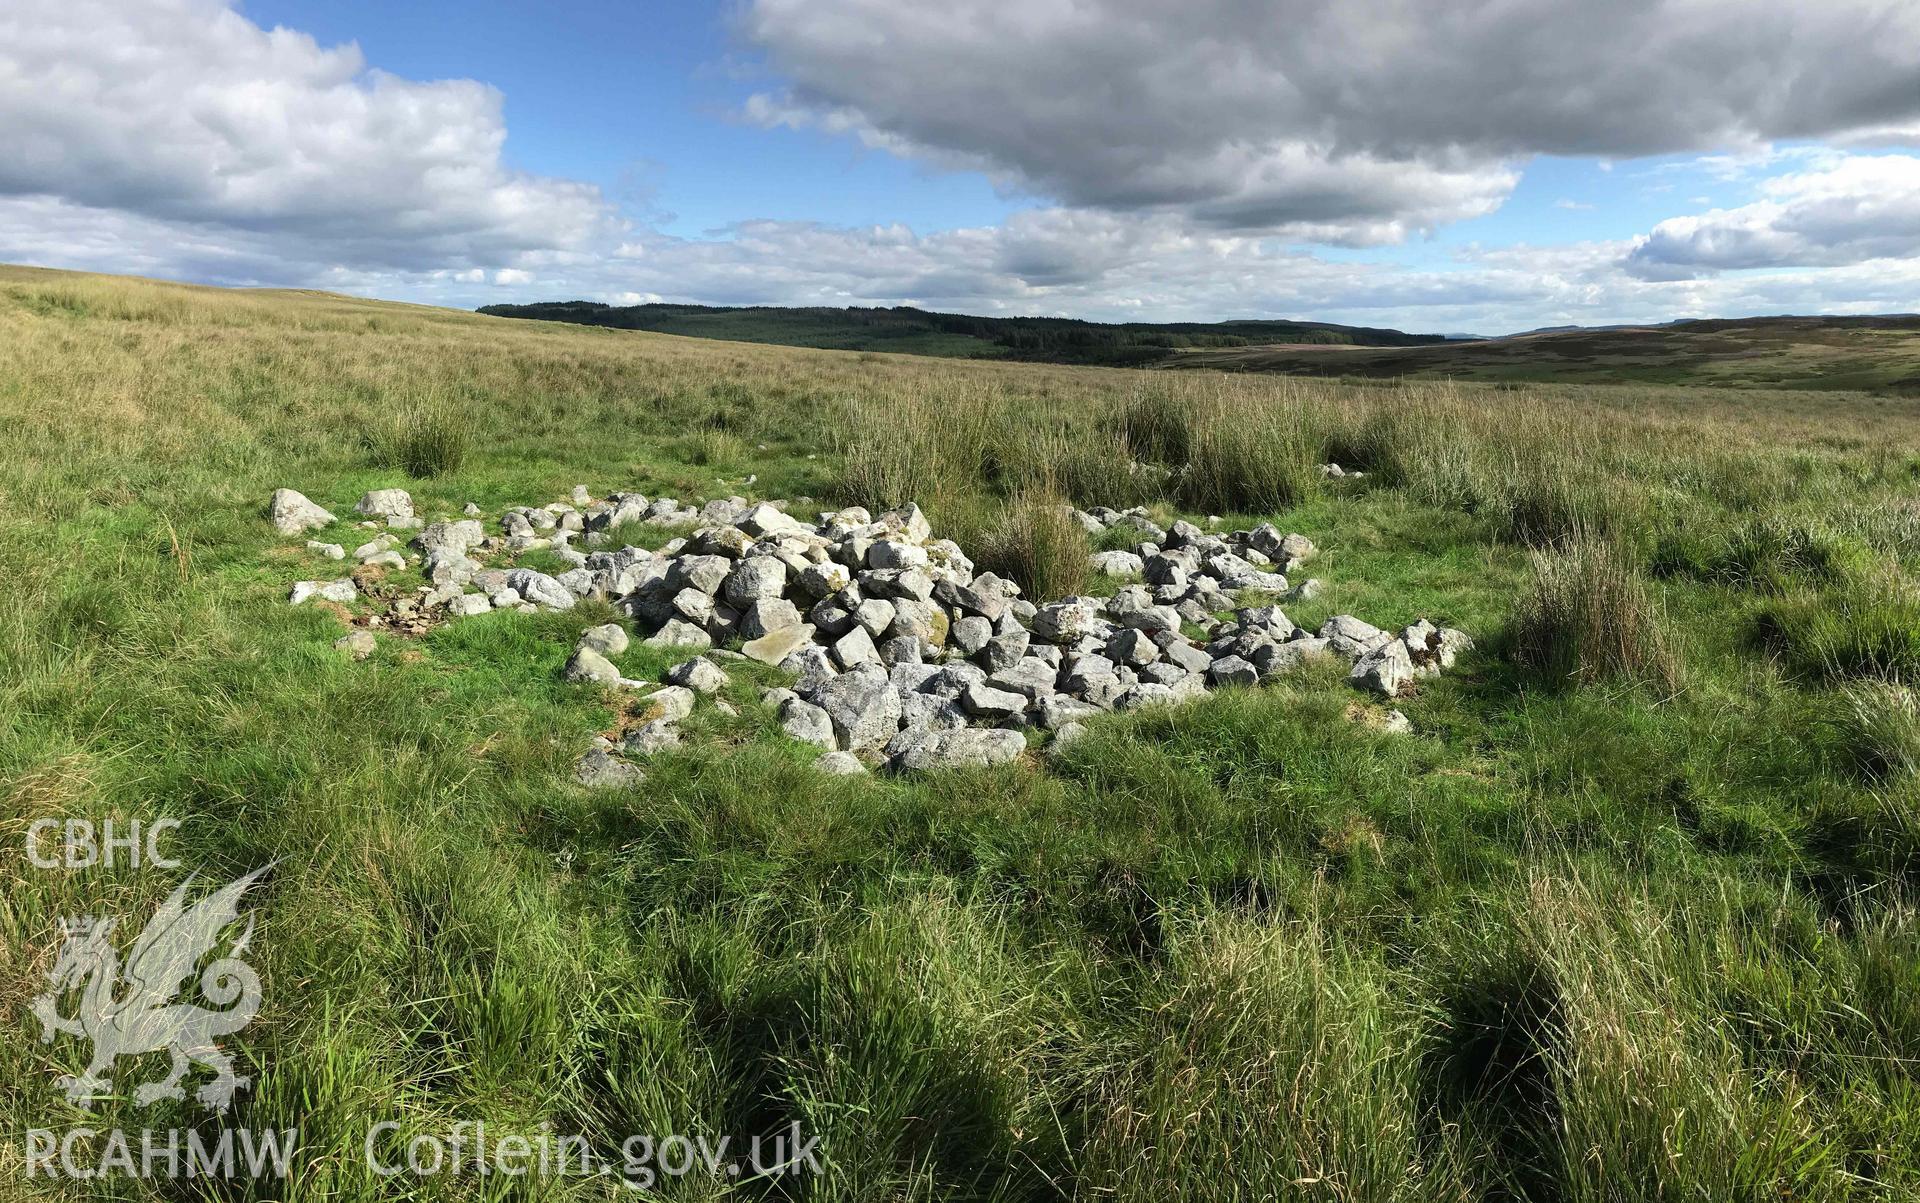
[[898, 651]]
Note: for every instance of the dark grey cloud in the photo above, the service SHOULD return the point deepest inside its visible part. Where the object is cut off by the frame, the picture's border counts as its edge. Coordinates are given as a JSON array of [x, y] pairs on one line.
[[1352, 121]]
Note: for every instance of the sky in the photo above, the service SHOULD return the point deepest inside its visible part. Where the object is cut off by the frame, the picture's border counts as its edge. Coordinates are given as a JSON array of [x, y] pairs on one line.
[[1474, 166]]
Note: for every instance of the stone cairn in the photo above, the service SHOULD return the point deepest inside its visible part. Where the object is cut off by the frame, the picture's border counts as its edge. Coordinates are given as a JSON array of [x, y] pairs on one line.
[[899, 652]]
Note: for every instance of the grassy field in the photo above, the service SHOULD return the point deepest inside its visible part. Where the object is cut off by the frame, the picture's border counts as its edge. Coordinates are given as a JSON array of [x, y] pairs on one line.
[[1631, 915], [1823, 353]]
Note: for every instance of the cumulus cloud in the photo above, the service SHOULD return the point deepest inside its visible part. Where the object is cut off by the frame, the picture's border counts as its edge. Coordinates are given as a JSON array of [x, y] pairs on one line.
[[185, 113], [1357, 121], [1857, 209]]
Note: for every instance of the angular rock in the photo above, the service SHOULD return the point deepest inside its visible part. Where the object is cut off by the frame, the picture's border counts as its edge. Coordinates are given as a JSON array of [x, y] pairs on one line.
[[767, 615], [655, 736], [863, 706], [292, 514], [698, 674], [609, 639], [672, 703], [1117, 563], [675, 633], [970, 747], [356, 644], [590, 667], [855, 648], [393, 504], [1232, 670], [333, 551], [1387, 670], [469, 605], [984, 701], [539, 588], [754, 578], [341, 591], [776, 646], [1348, 636], [840, 764], [599, 770]]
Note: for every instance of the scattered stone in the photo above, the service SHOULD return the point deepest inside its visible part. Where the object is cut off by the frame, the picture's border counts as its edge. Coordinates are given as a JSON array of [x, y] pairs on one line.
[[807, 723], [293, 514], [969, 747], [599, 770], [356, 644], [342, 591], [469, 605], [395, 505], [609, 639], [656, 735], [675, 633], [590, 667], [333, 551], [775, 646], [840, 764], [698, 674]]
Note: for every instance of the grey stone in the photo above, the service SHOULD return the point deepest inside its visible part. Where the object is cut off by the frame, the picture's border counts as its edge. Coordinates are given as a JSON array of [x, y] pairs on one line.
[[598, 770], [457, 537], [840, 764], [655, 736], [1184, 655], [1067, 621], [1030, 677], [969, 747], [676, 633], [1232, 670], [395, 561], [589, 666], [292, 514], [1349, 637], [823, 580], [1280, 658], [672, 703], [970, 634], [705, 573], [926, 711], [754, 578], [896, 553], [875, 615], [855, 648], [1054, 711], [539, 588], [469, 605], [775, 646], [1387, 669], [901, 649], [392, 504], [698, 674], [1004, 651], [1117, 563], [333, 551], [356, 644], [988, 702], [767, 615], [341, 591], [1131, 646], [863, 706], [609, 639]]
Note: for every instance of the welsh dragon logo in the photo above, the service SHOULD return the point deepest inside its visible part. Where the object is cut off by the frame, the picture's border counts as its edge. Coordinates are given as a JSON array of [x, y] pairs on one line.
[[129, 1011]]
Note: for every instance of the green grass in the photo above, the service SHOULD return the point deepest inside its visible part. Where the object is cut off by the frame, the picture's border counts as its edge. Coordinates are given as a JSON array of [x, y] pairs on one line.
[[1573, 939]]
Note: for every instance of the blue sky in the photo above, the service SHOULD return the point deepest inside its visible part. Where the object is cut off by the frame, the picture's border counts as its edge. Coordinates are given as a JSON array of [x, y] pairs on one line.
[[1476, 166]]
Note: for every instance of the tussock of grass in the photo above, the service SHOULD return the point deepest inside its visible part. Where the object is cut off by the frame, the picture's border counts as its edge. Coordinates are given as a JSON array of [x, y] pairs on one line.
[[1037, 543], [1867, 627], [1590, 618], [425, 437], [1880, 729]]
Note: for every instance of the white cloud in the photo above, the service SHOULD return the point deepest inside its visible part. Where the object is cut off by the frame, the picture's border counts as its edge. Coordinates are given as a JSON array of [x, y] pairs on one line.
[[1851, 210], [184, 112]]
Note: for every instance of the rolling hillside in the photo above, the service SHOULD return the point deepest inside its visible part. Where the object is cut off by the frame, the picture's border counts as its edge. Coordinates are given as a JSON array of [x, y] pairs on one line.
[[959, 336], [1877, 354]]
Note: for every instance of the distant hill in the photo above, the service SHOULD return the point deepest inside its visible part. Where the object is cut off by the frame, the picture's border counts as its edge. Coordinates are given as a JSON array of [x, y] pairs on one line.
[[920, 332], [1873, 354]]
